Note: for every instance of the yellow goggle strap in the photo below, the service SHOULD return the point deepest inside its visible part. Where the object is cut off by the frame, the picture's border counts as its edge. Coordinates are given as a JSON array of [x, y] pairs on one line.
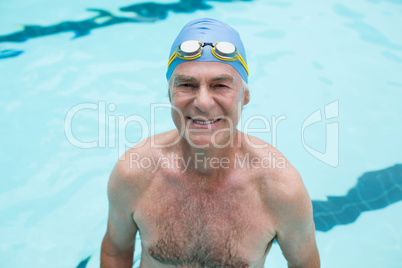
[[175, 54], [239, 57]]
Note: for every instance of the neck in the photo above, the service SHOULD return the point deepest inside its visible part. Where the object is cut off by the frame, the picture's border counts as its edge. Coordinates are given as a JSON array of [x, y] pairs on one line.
[[211, 160]]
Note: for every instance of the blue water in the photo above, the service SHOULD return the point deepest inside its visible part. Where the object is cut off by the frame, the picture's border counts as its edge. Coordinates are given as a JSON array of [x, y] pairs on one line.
[[340, 61]]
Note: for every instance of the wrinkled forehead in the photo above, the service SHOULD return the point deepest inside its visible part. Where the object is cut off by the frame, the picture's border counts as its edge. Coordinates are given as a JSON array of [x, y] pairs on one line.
[[205, 71]]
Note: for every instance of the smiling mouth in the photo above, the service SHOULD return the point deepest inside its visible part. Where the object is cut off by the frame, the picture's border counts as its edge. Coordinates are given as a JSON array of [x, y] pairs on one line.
[[203, 122]]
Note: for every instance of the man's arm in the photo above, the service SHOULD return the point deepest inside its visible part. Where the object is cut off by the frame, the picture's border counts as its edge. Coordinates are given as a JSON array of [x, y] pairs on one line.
[[118, 244], [296, 233]]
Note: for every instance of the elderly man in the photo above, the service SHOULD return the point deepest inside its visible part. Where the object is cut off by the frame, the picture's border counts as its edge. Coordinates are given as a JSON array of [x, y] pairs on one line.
[[211, 201]]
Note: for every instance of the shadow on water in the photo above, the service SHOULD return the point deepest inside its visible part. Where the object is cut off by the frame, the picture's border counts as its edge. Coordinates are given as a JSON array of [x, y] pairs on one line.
[[137, 13], [83, 263], [374, 190]]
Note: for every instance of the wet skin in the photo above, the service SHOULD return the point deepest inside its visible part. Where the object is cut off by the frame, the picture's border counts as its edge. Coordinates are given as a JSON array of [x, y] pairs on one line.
[[195, 212]]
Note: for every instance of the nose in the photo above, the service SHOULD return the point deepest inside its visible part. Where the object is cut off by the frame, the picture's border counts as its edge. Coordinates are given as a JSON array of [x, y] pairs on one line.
[[204, 100]]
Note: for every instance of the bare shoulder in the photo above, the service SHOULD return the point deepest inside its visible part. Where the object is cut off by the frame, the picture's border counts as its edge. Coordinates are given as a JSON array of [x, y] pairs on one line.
[[289, 206], [148, 148], [274, 166], [132, 173], [281, 185]]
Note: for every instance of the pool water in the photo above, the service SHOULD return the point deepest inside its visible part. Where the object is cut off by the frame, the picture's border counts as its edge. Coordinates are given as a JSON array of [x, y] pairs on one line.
[[78, 78]]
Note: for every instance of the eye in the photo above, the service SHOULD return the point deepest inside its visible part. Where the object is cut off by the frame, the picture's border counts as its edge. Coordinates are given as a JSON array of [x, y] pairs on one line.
[[186, 85], [221, 86]]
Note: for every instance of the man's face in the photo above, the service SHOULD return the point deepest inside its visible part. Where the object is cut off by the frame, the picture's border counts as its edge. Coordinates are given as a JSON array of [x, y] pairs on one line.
[[209, 97]]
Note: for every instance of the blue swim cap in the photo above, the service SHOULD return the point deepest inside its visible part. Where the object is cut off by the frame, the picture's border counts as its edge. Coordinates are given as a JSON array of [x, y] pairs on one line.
[[208, 30]]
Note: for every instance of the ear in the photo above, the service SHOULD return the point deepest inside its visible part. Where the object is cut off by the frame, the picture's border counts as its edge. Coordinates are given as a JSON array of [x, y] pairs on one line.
[[169, 88], [246, 96]]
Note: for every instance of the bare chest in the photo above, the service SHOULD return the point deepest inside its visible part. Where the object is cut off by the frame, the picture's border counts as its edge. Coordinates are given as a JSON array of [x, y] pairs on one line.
[[184, 227]]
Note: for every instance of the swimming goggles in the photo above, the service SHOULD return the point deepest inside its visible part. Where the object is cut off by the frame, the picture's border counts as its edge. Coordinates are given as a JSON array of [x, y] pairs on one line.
[[192, 49]]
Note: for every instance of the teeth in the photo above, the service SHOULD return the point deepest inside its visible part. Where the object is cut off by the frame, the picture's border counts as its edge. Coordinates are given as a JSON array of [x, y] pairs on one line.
[[205, 122]]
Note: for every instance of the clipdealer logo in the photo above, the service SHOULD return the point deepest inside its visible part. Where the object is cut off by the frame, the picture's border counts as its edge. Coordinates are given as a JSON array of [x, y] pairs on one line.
[[112, 129], [331, 154]]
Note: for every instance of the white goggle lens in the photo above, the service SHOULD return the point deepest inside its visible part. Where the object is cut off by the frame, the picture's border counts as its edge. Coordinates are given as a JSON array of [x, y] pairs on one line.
[[226, 48], [190, 47]]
